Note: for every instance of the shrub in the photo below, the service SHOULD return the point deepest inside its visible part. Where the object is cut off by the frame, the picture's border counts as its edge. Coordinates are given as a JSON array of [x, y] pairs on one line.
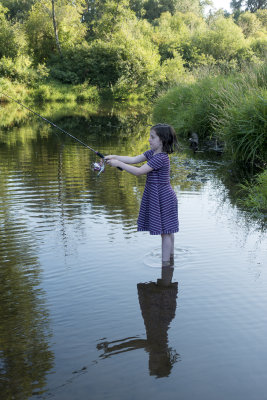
[[20, 69], [41, 94], [8, 45], [229, 108], [255, 194], [242, 124]]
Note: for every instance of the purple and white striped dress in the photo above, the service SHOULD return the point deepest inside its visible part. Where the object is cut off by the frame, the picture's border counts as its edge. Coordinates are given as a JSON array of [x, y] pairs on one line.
[[159, 207]]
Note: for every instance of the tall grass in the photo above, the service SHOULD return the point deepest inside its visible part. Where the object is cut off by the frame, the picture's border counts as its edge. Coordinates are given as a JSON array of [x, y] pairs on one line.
[[255, 195], [229, 108], [48, 92], [242, 124]]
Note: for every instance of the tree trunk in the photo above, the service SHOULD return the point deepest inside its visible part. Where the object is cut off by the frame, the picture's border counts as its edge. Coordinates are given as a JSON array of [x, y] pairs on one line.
[[55, 27]]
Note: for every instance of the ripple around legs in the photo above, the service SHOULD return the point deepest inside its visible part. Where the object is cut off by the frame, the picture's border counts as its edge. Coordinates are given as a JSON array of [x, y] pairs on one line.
[[183, 257]]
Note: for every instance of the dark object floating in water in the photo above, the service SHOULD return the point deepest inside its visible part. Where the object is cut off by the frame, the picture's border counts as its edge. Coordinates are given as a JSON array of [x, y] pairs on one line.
[[194, 142]]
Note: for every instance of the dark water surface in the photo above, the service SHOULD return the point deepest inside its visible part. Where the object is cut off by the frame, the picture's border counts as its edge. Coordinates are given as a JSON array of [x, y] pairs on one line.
[[81, 313]]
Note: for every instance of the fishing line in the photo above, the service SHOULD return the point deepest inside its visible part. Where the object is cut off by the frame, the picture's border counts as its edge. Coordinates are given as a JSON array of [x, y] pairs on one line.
[[100, 167], [55, 126]]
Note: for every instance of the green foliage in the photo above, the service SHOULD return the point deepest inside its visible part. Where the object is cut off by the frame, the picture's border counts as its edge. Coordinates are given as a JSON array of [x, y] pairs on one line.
[[250, 5], [8, 45], [57, 92], [259, 47], [103, 44], [231, 109], [189, 107], [222, 41], [111, 16], [17, 9], [154, 8], [40, 32], [255, 194], [249, 23], [242, 123], [21, 70], [124, 63], [262, 17]]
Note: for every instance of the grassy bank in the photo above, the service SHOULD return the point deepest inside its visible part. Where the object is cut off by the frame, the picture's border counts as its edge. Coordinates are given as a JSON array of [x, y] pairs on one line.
[[254, 195], [48, 92], [230, 109]]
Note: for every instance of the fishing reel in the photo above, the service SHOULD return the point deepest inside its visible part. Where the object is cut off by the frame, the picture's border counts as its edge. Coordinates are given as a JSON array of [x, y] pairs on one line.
[[98, 166]]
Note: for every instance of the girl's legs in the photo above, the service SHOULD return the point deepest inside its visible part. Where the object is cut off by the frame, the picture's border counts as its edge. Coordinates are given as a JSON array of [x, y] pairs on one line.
[[172, 250], [167, 248]]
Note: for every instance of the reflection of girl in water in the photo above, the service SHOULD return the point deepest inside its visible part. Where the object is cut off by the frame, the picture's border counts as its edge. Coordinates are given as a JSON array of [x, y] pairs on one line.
[[159, 210], [158, 304]]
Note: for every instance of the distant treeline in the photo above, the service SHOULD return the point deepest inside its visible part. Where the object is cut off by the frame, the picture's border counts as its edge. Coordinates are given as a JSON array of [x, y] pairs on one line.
[[125, 47]]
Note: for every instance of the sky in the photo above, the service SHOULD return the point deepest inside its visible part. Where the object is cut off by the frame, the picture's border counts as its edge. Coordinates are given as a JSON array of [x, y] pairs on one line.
[[225, 4]]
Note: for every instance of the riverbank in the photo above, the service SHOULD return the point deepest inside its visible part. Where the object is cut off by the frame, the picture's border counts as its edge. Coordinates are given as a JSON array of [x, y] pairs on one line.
[[47, 92], [231, 112]]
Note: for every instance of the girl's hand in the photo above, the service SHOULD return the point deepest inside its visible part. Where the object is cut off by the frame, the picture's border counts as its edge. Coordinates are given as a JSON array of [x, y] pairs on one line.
[[110, 157], [113, 162]]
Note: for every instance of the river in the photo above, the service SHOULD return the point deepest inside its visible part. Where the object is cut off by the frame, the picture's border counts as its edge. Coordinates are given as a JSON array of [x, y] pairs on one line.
[[83, 315]]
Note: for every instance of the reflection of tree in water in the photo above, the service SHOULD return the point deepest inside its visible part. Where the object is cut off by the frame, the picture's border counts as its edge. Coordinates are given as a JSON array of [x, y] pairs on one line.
[[25, 357], [158, 304]]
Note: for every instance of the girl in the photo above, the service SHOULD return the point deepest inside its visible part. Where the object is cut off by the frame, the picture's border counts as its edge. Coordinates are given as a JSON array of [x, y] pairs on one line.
[[159, 210]]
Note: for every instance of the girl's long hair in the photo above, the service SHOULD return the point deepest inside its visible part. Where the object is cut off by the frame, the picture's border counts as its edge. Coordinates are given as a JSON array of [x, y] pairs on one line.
[[167, 135]]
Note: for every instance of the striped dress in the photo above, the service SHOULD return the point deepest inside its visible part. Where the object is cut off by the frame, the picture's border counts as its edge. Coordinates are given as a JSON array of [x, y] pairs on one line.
[[159, 208]]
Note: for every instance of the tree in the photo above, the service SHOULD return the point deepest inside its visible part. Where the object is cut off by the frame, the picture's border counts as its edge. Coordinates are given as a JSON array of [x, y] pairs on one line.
[[222, 41], [152, 9], [249, 5], [249, 23], [18, 10], [8, 45], [55, 27], [254, 5], [40, 30], [262, 17]]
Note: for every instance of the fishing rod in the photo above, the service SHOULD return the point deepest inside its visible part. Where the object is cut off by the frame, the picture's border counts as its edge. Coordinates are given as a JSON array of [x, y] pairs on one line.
[[55, 126]]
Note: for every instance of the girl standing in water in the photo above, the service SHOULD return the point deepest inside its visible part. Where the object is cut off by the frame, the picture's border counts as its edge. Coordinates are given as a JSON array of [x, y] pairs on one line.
[[159, 208]]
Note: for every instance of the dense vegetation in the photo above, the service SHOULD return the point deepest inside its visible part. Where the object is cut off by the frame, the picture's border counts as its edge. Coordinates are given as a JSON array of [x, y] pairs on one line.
[[123, 47], [209, 68]]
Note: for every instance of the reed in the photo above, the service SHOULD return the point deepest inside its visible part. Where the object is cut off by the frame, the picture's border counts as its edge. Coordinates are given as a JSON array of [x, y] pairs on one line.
[[254, 195], [231, 109]]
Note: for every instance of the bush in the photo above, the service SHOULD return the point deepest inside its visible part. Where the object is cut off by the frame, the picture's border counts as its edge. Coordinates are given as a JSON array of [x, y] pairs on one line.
[[242, 124], [86, 93], [190, 107], [42, 94], [230, 108], [21, 70], [121, 65], [255, 194], [8, 45]]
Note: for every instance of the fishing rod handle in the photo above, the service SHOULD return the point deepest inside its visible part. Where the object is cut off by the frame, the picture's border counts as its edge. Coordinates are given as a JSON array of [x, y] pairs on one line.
[[102, 156]]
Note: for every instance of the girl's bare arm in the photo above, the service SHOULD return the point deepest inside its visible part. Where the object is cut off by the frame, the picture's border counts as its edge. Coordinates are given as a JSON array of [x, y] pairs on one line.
[[127, 159], [144, 169]]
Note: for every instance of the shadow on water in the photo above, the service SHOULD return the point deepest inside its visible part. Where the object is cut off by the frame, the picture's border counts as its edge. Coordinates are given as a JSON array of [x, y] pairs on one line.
[[157, 302]]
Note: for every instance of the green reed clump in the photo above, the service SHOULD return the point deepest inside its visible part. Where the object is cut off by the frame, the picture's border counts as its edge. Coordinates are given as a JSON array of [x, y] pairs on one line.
[[242, 124], [255, 194], [192, 107], [230, 108], [85, 93]]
